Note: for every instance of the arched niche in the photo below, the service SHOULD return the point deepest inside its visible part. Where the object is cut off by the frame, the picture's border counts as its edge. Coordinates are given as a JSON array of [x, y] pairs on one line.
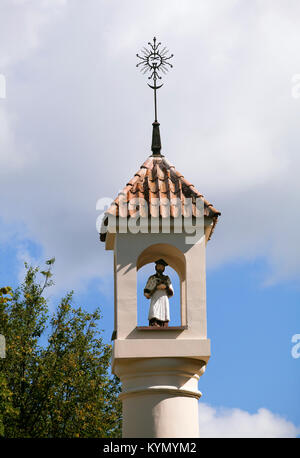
[[176, 259]]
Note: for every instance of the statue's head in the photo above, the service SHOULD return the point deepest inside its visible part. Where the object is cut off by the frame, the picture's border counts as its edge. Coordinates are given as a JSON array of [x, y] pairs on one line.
[[160, 265]]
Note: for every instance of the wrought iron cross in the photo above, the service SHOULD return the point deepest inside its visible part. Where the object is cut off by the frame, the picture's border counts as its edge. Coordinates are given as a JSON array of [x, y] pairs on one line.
[[155, 61]]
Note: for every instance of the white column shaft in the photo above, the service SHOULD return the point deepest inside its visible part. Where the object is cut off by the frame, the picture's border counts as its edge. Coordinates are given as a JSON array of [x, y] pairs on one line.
[[160, 396]]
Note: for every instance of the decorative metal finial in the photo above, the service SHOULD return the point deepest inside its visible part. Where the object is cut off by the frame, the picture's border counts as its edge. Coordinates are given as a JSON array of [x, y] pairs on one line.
[[155, 61]]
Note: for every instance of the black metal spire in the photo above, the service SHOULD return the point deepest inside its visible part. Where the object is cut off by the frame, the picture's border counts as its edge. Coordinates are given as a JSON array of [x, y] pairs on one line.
[[155, 60]]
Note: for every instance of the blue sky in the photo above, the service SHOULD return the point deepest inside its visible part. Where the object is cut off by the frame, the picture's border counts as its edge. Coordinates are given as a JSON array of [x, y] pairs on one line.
[[76, 125], [251, 328]]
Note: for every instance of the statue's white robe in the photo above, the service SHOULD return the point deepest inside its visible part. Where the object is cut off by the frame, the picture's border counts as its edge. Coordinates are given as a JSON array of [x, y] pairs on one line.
[[159, 305]]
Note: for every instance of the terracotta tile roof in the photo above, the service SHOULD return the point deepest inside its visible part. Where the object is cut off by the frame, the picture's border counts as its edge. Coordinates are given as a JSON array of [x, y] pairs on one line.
[[158, 179]]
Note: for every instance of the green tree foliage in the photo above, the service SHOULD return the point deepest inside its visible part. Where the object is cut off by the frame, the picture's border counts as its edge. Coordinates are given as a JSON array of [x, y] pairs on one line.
[[62, 388]]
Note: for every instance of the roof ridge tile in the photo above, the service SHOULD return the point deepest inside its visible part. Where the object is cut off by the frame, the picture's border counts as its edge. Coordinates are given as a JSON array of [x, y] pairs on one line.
[[162, 189]]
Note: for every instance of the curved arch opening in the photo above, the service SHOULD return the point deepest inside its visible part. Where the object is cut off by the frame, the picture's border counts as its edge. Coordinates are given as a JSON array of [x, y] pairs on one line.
[[176, 270]]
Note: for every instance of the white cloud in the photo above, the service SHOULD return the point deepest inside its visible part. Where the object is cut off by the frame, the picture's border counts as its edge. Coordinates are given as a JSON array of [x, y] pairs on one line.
[[235, 423], [77, 121], [22, 24], [24, 256]]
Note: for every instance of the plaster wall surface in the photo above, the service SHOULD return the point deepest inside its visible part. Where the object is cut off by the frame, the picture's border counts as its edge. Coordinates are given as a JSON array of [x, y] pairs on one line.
[[160, 371], [160, 396], [189, 264]]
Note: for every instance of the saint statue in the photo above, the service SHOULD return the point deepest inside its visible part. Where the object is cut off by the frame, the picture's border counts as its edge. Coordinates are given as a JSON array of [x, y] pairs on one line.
[[159, 289]]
